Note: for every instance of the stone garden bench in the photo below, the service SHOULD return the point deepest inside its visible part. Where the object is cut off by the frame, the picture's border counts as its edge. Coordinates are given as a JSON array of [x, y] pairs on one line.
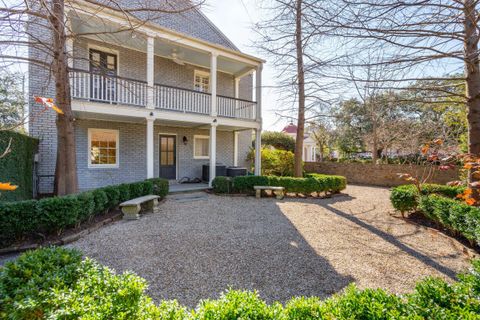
[[278, 191], [131, 208]]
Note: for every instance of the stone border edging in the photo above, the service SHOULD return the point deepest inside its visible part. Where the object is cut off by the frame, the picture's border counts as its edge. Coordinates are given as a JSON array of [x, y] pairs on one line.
[[64, 240]]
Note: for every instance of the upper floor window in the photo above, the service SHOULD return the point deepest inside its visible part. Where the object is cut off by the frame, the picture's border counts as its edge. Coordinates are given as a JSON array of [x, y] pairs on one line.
[[103, 148], [201, 81]]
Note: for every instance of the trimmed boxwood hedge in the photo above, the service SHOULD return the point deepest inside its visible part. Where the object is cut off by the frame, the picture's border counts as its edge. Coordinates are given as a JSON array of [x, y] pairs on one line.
[[453, 214], [52, 215], [55, 283], [311, 183], [405, 198]]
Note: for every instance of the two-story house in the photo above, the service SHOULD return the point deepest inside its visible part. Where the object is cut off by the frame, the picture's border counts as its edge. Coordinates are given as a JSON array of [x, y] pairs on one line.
[[159, 100]]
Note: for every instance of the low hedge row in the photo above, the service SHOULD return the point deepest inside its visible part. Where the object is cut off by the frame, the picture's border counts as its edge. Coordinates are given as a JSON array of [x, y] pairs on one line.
[[405, 198], [311, 183], [453, 214], [57, 284], [50, 215]]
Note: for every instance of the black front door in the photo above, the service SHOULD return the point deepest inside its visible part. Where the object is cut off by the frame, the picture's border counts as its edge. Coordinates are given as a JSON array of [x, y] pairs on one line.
[[168, 157], [103, 68]]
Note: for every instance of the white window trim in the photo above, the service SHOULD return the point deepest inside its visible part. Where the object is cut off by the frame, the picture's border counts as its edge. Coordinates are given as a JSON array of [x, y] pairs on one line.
[[103, 166], [200, 137], [202, 74], [106, 50]]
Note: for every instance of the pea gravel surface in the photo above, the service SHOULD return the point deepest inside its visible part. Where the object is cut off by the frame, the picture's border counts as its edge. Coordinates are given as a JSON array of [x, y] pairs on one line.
[[197, 246]]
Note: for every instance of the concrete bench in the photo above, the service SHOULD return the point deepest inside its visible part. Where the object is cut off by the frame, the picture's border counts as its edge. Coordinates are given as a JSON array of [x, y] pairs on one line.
[[131, 208], [278, 191]]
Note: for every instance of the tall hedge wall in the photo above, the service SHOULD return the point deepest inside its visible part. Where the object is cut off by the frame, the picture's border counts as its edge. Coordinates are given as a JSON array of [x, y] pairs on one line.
[[17, 166]]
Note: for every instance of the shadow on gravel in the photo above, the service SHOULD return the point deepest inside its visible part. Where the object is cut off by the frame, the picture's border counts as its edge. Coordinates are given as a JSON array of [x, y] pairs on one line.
[[393, 240], [194, 251]]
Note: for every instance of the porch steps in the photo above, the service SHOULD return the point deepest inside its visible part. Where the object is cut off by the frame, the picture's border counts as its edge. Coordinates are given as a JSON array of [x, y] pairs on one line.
[[177, 188]]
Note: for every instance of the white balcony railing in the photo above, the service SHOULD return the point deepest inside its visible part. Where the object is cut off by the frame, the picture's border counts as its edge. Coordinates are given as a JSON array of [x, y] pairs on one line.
[[103, 88], [183, 100], [118, 90], [236, 108]]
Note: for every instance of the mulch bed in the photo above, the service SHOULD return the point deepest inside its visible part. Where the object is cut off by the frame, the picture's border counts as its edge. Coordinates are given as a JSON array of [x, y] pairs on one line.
[[67, 236]]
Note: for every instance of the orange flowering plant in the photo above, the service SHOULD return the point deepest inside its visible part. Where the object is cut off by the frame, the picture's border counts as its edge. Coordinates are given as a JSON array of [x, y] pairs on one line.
[[440, 158]]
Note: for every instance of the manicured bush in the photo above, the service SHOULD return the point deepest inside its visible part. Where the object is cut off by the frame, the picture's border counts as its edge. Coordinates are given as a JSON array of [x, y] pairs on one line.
[[124, 189], [101, 200], [16, 220], [453, 214], [405, 198], [56, 213], [222, 185], [55, 283], [113, 196], [160, 186], [87, 205], [245, 184], [49, 215], [312, 183], [278, 140]]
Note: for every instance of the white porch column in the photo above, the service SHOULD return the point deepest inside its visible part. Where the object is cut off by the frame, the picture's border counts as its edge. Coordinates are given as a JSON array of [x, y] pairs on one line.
[[258, 152], [258, 92], [235, 148], [150, 147], [213, 151], [150, 71], [213, 83]]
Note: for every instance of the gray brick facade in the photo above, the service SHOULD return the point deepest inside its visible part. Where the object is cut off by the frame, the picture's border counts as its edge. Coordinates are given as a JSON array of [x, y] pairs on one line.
[[132, 152], [131, 64]]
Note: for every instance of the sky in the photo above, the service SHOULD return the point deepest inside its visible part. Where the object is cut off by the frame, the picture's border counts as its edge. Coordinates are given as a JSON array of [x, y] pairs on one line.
[[235, 18]]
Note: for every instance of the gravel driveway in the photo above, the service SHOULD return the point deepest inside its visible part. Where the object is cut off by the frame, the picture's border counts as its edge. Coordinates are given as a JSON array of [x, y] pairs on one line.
[[198, 245]]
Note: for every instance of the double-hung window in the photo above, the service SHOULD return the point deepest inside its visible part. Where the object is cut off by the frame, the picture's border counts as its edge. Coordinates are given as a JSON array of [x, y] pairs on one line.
[[103, 148], [201, 81], [201, 148]]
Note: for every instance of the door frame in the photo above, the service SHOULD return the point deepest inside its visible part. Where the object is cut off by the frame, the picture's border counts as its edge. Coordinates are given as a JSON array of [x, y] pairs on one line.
[[176, 151], [106, 50]]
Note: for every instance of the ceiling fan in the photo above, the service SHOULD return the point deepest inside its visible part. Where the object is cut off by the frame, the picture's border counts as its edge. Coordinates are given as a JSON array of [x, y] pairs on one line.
[[177, 57]]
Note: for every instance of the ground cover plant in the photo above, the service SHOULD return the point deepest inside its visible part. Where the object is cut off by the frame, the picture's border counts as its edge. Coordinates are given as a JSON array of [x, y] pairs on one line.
[[53, 283]]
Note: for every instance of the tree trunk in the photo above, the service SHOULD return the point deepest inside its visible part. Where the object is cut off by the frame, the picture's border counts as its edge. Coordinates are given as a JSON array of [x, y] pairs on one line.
[[298, 164], [472, 73], [66, 165]]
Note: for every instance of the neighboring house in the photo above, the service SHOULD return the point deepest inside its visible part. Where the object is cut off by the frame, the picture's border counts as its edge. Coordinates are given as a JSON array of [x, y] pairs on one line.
[[158, 102], [309, 145]]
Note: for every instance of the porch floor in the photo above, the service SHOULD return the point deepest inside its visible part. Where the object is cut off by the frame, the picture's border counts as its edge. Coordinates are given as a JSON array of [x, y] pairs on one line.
[[187, 187]]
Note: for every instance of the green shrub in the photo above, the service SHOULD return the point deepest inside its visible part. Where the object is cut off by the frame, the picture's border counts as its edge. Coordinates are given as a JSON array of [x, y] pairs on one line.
[[278, 140], [136, 190], [160, 186], [24, 218], [55, 283], [87, 205], [405, 198], [245, 184], [57, 213], [113, 196], [222, 185], [17, 166], [312, 183], [453, 214], [274, 162], [17, 219], [101, 200], [124, 189]]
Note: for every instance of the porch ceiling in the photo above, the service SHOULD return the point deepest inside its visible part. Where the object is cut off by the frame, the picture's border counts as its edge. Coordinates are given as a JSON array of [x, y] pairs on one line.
[[141, 120], [96, 29]]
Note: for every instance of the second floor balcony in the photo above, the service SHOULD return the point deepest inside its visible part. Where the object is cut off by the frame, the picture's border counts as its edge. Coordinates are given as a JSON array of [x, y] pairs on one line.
[[115, 90]]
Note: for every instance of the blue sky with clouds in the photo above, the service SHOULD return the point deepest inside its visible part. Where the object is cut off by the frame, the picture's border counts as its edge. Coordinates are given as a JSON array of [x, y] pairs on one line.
[[235, 19]]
